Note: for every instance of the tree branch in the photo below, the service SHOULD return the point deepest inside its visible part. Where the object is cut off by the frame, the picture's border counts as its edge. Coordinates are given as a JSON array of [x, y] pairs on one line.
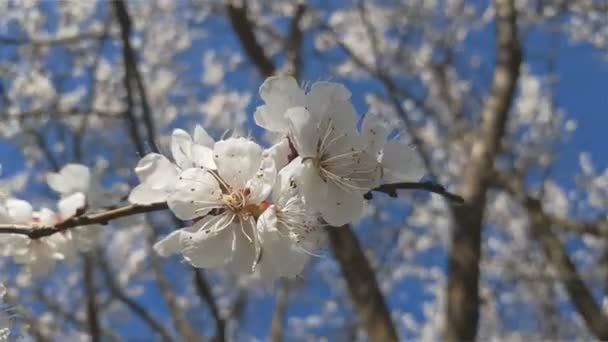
[[137, 309], [463, 279], [103, 218], [363, 287], [244, 29], [204, 291], [391, 190], [557, 256], [91, 304], [132, 71], [293, 44]]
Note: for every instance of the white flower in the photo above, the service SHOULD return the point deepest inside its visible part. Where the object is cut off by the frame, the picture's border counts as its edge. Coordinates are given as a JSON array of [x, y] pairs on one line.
[[5, 316], [338, 163], [289, 232], [39, 255], [72, 182], [336, 168], [158, 175], [77, 191], [225, 203]]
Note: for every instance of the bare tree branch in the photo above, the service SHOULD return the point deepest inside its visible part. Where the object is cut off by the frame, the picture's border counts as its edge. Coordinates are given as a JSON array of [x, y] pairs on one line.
[[244, 29], [391, 190], [204, 291], [364, 291], [293, 45], [90, 294], [464, 257], [104, 217], [557, 256], [137, 309], [132, 71], [278, 318]]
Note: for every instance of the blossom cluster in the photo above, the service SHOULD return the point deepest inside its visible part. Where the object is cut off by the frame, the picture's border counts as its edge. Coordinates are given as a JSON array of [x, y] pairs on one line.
[[73, 183], [250, 208], [255, 209]]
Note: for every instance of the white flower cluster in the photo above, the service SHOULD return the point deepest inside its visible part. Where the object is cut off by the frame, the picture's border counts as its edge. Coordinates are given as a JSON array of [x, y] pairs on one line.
[[256, 209], [73, 183]]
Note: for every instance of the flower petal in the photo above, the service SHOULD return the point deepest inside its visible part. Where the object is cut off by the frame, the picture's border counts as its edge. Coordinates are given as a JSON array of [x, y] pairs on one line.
[[401, 163], [341, 206], [245, 250], [71, 178], [196, 193], [260, 185], [303, 130], [279, 93], [70, 205], [201, 137], [281, 256], [323, 96], [207, 248], [19, 211], [181, 148], [312, 187], [237, 160]]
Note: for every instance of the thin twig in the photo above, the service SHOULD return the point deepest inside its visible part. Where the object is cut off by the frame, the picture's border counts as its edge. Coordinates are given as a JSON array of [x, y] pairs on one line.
[[436, 188]]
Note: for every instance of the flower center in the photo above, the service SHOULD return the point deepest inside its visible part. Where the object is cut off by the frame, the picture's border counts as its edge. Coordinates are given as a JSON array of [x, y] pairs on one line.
[[236, 200]]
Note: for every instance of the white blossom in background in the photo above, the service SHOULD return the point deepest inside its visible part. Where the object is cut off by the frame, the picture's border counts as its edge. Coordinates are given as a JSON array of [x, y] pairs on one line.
[[39, 255], [5, 316]]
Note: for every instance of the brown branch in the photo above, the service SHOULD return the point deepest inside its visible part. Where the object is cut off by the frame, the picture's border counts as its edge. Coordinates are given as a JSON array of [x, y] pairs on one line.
[[134, 306], [293, 44], [464, 257], [103, 218], [391, 190], [204, 291], [178, 316], [557, 256], [360, 277], [278, 318], [91, 304], [132, 71], [244, 29]]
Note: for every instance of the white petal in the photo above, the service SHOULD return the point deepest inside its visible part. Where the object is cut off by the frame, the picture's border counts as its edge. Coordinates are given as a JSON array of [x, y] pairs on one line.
[[401, 163], [19, 211], [70, 205], [201, 137], [303, 129], [279, 93], [44, 217], [156, 170], [323, 95], [374, 133], [285, 185], [207, 249], [144, 195], [311, 185], [281, 257], [71, 178], [237, 160], [280, 152], [169, 244], [341, 207], [196, 193], [260, 185], [245, 248], [202, 156], [181, 148]]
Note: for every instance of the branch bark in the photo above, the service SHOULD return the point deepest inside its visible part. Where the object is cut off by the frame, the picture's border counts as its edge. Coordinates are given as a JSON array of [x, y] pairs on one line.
[[464, 257], [244, 29], [557, 255], [372, 312]]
